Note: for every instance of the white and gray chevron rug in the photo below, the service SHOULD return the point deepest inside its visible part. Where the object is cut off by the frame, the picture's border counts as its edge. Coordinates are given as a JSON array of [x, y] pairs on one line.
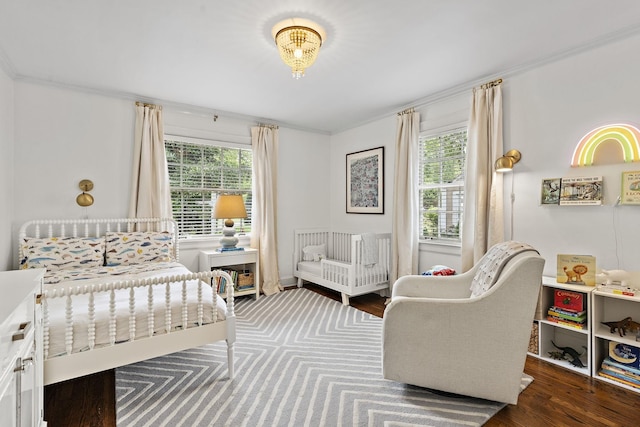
[[301, 360]]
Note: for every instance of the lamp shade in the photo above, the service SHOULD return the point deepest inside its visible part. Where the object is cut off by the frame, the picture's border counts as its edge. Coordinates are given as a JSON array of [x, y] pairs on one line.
[[229, 206]]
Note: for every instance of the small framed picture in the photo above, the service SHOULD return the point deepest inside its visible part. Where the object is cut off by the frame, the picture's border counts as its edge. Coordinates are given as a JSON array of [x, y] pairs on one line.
[[630, 189], [581, 191], [550, 191], [365, 181]]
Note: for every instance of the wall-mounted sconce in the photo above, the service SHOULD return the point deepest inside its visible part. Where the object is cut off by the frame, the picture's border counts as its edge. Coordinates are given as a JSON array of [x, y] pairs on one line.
[[506, 162], [85, 199]]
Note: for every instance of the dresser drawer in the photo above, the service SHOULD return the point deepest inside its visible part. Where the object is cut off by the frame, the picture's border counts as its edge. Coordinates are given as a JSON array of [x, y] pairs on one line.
[[15, 330]]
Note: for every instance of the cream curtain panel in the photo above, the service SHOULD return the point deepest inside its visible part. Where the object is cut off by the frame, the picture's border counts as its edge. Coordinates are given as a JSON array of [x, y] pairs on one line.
[[404, 237], [483, 224], [150, 193], [264, 216]]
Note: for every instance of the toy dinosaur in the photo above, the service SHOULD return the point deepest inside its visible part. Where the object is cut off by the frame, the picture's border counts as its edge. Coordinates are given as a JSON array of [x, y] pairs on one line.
[[557, 355], [620, 325], [633, 326], [572, 353]]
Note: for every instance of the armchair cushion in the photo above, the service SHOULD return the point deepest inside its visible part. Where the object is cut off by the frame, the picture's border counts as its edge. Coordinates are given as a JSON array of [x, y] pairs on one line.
[[492, 263]]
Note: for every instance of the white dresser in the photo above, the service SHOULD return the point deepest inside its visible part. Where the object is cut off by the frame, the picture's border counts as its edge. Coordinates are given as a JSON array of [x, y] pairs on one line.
[[21, 358]]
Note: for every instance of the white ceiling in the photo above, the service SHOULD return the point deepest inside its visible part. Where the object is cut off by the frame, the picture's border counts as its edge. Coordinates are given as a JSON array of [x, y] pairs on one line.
[[380, 55]]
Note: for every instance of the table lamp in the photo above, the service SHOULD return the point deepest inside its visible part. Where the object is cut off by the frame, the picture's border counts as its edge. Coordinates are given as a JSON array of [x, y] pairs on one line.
[[229, 206]]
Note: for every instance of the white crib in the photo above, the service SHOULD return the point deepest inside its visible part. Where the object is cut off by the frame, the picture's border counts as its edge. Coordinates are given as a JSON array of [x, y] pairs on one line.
[[342, 269]]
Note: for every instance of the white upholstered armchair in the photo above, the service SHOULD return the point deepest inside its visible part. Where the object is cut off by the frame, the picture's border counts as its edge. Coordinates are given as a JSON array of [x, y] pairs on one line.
[[438, 333]]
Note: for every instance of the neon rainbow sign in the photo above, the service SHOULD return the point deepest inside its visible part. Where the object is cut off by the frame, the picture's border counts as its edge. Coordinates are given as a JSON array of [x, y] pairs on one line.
[[627, 136]]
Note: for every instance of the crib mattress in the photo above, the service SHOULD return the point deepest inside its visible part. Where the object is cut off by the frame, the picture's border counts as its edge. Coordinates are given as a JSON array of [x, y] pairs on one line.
[[80, 314]]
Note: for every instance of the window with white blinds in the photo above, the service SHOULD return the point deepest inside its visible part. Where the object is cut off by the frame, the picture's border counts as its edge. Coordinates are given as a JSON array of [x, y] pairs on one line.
[[441, 186], [198, 173]]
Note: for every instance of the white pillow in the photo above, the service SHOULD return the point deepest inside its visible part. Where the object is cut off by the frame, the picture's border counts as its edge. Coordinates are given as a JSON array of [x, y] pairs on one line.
[[314, 253]]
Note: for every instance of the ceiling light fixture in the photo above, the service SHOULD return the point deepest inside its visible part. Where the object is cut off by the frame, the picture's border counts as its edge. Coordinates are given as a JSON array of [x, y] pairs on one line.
[[298, 42], [506, 162]]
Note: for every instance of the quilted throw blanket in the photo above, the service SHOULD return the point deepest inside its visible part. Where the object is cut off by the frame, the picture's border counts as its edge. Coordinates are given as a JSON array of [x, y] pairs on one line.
[[369, 249], [492, 264]]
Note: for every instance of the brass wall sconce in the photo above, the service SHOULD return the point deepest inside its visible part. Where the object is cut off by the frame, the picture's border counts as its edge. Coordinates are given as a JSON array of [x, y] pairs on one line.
[[506, 162], [85, 199]]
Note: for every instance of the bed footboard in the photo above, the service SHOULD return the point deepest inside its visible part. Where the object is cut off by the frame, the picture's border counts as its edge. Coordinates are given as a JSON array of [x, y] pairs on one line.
[[159, 300]]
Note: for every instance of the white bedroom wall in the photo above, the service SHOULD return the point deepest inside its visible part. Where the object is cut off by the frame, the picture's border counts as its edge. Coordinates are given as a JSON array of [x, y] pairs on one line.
[[547, 110], [6, 169], [303, 190], [64, 135], [380, 133], [303, 173], [434, 117]]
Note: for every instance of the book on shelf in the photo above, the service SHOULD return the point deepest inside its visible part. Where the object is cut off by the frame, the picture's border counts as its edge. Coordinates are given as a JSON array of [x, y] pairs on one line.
[[621, 373], [618, 290], [234, 249], [619, 378], [578, 316], [566, 322], [613, 365], [576, 269], [569, 300], [221, 282], [625, 354], [555, 316]]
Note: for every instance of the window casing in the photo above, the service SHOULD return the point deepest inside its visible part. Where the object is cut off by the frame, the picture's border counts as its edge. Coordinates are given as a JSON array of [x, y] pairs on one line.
[[198, 173], [441, 185]]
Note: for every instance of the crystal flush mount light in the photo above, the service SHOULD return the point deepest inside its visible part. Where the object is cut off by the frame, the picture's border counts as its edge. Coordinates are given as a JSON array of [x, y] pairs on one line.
[[298, 42]]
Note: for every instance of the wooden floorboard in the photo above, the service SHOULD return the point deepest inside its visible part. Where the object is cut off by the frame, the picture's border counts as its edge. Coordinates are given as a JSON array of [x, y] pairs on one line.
[[87, 401], [557, 397]]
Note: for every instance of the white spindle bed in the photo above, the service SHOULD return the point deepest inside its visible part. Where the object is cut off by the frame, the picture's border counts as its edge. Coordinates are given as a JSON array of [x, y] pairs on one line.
[[106, 316]]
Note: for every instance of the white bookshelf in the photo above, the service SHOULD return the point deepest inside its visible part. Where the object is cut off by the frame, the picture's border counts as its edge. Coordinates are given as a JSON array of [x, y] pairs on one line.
[[608, 307], [564, 336]]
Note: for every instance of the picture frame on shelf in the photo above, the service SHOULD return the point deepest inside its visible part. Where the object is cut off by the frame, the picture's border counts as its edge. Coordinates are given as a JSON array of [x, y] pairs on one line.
[[365, 181], [581, 191], [630, 188], [550, 191]]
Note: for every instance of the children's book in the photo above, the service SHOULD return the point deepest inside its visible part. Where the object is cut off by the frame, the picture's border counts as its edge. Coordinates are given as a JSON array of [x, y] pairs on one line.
[[576, 269]]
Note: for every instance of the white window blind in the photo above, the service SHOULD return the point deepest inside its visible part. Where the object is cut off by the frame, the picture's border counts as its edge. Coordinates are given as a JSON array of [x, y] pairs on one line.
[[198, 173], [441, 186]]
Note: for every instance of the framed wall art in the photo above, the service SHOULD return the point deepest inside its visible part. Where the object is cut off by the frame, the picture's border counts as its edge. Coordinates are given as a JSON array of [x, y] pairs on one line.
[[550, 191], [585, 190], [630, 193], [365, 181]]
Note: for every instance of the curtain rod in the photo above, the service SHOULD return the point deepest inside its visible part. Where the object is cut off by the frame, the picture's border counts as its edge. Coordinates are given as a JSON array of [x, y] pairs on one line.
[[144, 104], [491, 84], [264, 125], [407, 111]]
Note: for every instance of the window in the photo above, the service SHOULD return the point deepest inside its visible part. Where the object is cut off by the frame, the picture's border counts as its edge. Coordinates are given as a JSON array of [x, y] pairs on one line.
[[441, 186], [198, 173]]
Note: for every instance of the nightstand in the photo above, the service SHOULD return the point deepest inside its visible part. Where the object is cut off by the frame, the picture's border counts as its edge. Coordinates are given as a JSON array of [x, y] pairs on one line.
[[234, 260]]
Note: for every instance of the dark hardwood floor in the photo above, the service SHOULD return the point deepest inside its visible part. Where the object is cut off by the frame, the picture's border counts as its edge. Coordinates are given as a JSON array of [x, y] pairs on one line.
[[557, 397]]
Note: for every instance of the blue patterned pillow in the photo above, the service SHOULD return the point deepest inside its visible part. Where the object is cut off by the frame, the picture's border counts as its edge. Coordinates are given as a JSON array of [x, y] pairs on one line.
[[58, 253], [138, 247]]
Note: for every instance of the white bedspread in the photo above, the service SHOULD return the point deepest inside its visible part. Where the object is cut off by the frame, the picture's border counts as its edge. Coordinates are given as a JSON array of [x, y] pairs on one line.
[[57, 306]]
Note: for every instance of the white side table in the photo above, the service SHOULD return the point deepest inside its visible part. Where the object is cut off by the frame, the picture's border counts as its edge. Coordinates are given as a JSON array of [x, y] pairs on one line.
[[246, 260]]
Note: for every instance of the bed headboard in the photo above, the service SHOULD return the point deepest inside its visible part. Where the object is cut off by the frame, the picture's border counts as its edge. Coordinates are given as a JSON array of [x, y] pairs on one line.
[[41, 228]]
